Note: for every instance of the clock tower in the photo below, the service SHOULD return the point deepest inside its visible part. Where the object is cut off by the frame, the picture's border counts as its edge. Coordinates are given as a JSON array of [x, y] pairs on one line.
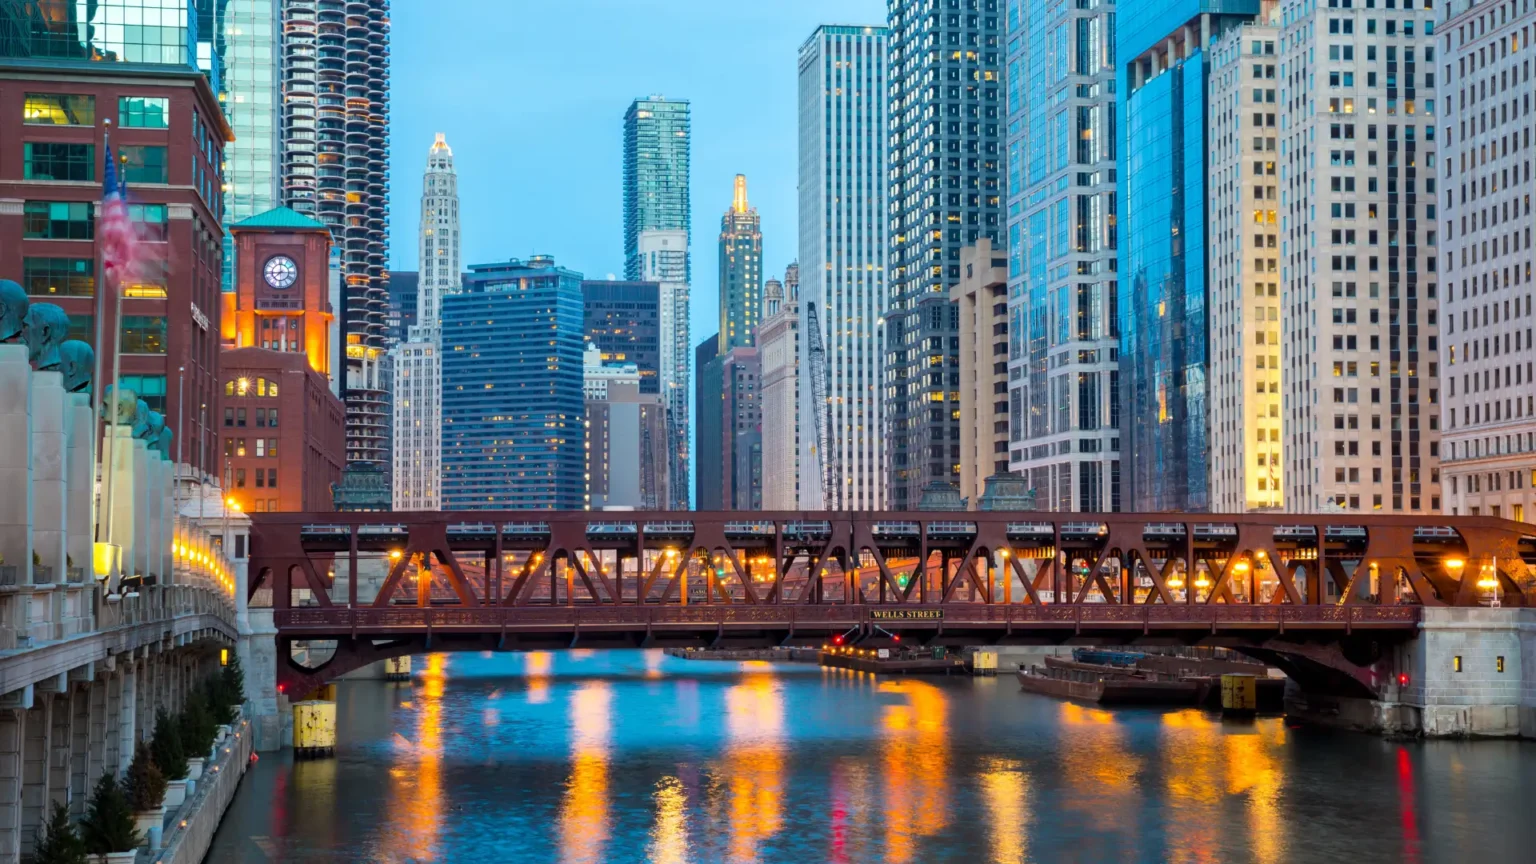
[[281, 424], [281, 300]]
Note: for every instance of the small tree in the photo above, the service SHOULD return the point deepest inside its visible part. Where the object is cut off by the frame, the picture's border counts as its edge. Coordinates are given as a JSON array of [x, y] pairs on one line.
[[144, 785], [60, 844], [232, 677], [197, 727], [170, 756], [219, 706], [108, 824]]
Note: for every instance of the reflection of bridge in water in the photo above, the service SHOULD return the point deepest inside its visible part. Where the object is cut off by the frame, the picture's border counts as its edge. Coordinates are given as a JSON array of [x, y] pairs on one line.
[[1324, 591]]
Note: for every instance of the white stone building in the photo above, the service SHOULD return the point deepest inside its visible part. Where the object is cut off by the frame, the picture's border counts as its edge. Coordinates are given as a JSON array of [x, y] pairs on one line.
[[1245, 383], [1357, 121], [418, 370], [664, 259], [1485, 62], [778, 345], [843, 244]]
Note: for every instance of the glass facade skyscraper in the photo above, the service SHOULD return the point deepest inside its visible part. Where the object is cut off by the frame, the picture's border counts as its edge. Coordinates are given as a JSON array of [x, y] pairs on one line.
[[657, 137], [946, 115], [159, 32], [514, 416], [241, 40], [1161, 48], [1063, 404]]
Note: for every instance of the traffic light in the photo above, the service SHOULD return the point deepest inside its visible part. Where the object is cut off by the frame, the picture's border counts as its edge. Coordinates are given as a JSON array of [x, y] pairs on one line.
[[838, 639]]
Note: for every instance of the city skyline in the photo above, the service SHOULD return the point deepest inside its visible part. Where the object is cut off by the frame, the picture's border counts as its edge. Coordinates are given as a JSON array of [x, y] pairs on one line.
[[580, 220]]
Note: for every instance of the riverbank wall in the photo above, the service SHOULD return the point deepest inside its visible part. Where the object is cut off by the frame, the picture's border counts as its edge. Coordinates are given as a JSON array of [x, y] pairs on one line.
[[1471, 673]]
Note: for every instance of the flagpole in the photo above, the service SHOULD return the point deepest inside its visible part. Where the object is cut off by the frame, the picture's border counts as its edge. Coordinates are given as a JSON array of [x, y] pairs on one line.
[[98, 460], [117, 364]]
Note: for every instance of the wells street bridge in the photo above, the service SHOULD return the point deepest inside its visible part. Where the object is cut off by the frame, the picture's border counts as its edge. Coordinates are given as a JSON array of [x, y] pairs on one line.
[[1322, 596]]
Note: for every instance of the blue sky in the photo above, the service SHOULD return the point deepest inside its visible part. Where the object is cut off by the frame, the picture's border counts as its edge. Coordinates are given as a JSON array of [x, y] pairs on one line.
[[532, 97]]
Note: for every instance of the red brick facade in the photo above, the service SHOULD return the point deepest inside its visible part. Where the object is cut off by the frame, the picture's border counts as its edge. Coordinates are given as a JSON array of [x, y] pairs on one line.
[[172, 342]]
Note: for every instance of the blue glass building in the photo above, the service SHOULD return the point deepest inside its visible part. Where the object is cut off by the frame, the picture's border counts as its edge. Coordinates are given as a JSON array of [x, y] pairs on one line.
[[1162, 77], [513, 411]]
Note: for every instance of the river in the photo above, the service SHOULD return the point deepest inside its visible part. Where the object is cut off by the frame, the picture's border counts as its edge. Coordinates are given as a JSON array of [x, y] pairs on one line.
[[620, 756]]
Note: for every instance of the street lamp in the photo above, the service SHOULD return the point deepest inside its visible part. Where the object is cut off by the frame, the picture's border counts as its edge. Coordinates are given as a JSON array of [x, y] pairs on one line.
[[1489, 581]]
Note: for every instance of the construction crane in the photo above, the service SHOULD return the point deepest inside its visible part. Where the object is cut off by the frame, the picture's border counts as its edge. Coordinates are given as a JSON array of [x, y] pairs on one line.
[[826, 439]]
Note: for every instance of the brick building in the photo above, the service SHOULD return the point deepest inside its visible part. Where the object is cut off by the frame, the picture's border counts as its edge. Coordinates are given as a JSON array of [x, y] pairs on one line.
[[284, 440], [168, 130]]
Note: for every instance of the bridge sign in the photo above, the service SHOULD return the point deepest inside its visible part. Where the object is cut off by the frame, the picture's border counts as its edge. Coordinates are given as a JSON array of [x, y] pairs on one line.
[[907, 614]]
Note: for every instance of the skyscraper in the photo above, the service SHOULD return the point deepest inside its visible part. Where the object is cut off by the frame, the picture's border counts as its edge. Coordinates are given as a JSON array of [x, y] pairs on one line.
[[741, 271], [625, 436], [779, 351], [1486, 349], [656, 146], [418, 374], [513, 408], [335, 128], [1245, 303], [238, 43], [664, 260], [656, 249], [946, 178], [623, 319], [1360, 356], [1063, 399], [1162, 74], [843, 218], [981, 296]]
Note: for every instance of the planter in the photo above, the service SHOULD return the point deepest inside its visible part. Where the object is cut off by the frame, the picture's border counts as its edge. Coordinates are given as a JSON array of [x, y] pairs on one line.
[[149, 823], [194, 769], [221, 737], [176, 793], [42, 575], [119, 857]]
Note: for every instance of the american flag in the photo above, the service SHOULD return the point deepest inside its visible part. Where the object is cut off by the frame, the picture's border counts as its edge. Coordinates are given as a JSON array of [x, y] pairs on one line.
[[115, 230]]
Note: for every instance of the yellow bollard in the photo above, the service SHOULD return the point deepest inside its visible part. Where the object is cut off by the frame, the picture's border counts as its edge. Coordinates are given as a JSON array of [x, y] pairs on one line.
[[397, 668], [314, 729], [1239, 694]]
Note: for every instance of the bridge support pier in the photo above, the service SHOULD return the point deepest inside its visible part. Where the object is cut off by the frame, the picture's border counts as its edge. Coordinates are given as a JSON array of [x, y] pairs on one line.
[[1471, 673]]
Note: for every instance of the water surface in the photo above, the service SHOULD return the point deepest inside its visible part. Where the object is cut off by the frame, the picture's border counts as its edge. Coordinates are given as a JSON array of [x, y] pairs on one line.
[[628, 756]]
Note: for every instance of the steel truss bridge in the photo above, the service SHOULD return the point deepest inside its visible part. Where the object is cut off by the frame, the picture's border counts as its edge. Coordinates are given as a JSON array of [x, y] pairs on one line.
[[379, 585]]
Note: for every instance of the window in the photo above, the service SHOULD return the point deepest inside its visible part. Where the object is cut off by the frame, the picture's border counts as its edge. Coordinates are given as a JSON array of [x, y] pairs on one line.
[[53, 161], [1498, 664], [58, 220], [58, 277], [143, 112], [153, 219], [144, 164], [271, 478], [143, 334], [59, 109], [82, 327], [1456, 663], [151, 388]]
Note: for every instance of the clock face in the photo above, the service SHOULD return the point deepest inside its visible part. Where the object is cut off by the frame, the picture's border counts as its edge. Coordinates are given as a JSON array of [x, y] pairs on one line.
[[280, 271]]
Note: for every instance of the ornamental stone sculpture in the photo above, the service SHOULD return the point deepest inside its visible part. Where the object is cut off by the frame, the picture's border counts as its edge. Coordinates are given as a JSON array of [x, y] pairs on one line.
[[77, 361], [13, 309], [45, 328]]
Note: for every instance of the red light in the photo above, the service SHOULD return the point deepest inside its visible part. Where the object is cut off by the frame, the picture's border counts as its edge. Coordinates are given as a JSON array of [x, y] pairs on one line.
[[837, 640], [1402, 680], [281, 688], [895, 637]]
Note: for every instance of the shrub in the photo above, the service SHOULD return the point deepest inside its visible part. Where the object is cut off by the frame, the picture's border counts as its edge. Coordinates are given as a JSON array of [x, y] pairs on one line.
[[59, 844], [170, 756], [197, 726], [108, 824], [144, 784]]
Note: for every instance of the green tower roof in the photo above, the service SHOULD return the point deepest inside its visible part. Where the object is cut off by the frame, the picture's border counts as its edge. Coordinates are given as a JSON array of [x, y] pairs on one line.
[[280, 218]]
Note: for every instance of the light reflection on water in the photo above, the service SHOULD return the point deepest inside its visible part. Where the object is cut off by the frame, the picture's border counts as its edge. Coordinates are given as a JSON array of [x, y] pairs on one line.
[[632, 756]]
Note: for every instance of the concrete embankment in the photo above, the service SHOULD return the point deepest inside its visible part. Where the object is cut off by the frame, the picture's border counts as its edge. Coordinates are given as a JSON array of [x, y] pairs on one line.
[[189, 831]]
